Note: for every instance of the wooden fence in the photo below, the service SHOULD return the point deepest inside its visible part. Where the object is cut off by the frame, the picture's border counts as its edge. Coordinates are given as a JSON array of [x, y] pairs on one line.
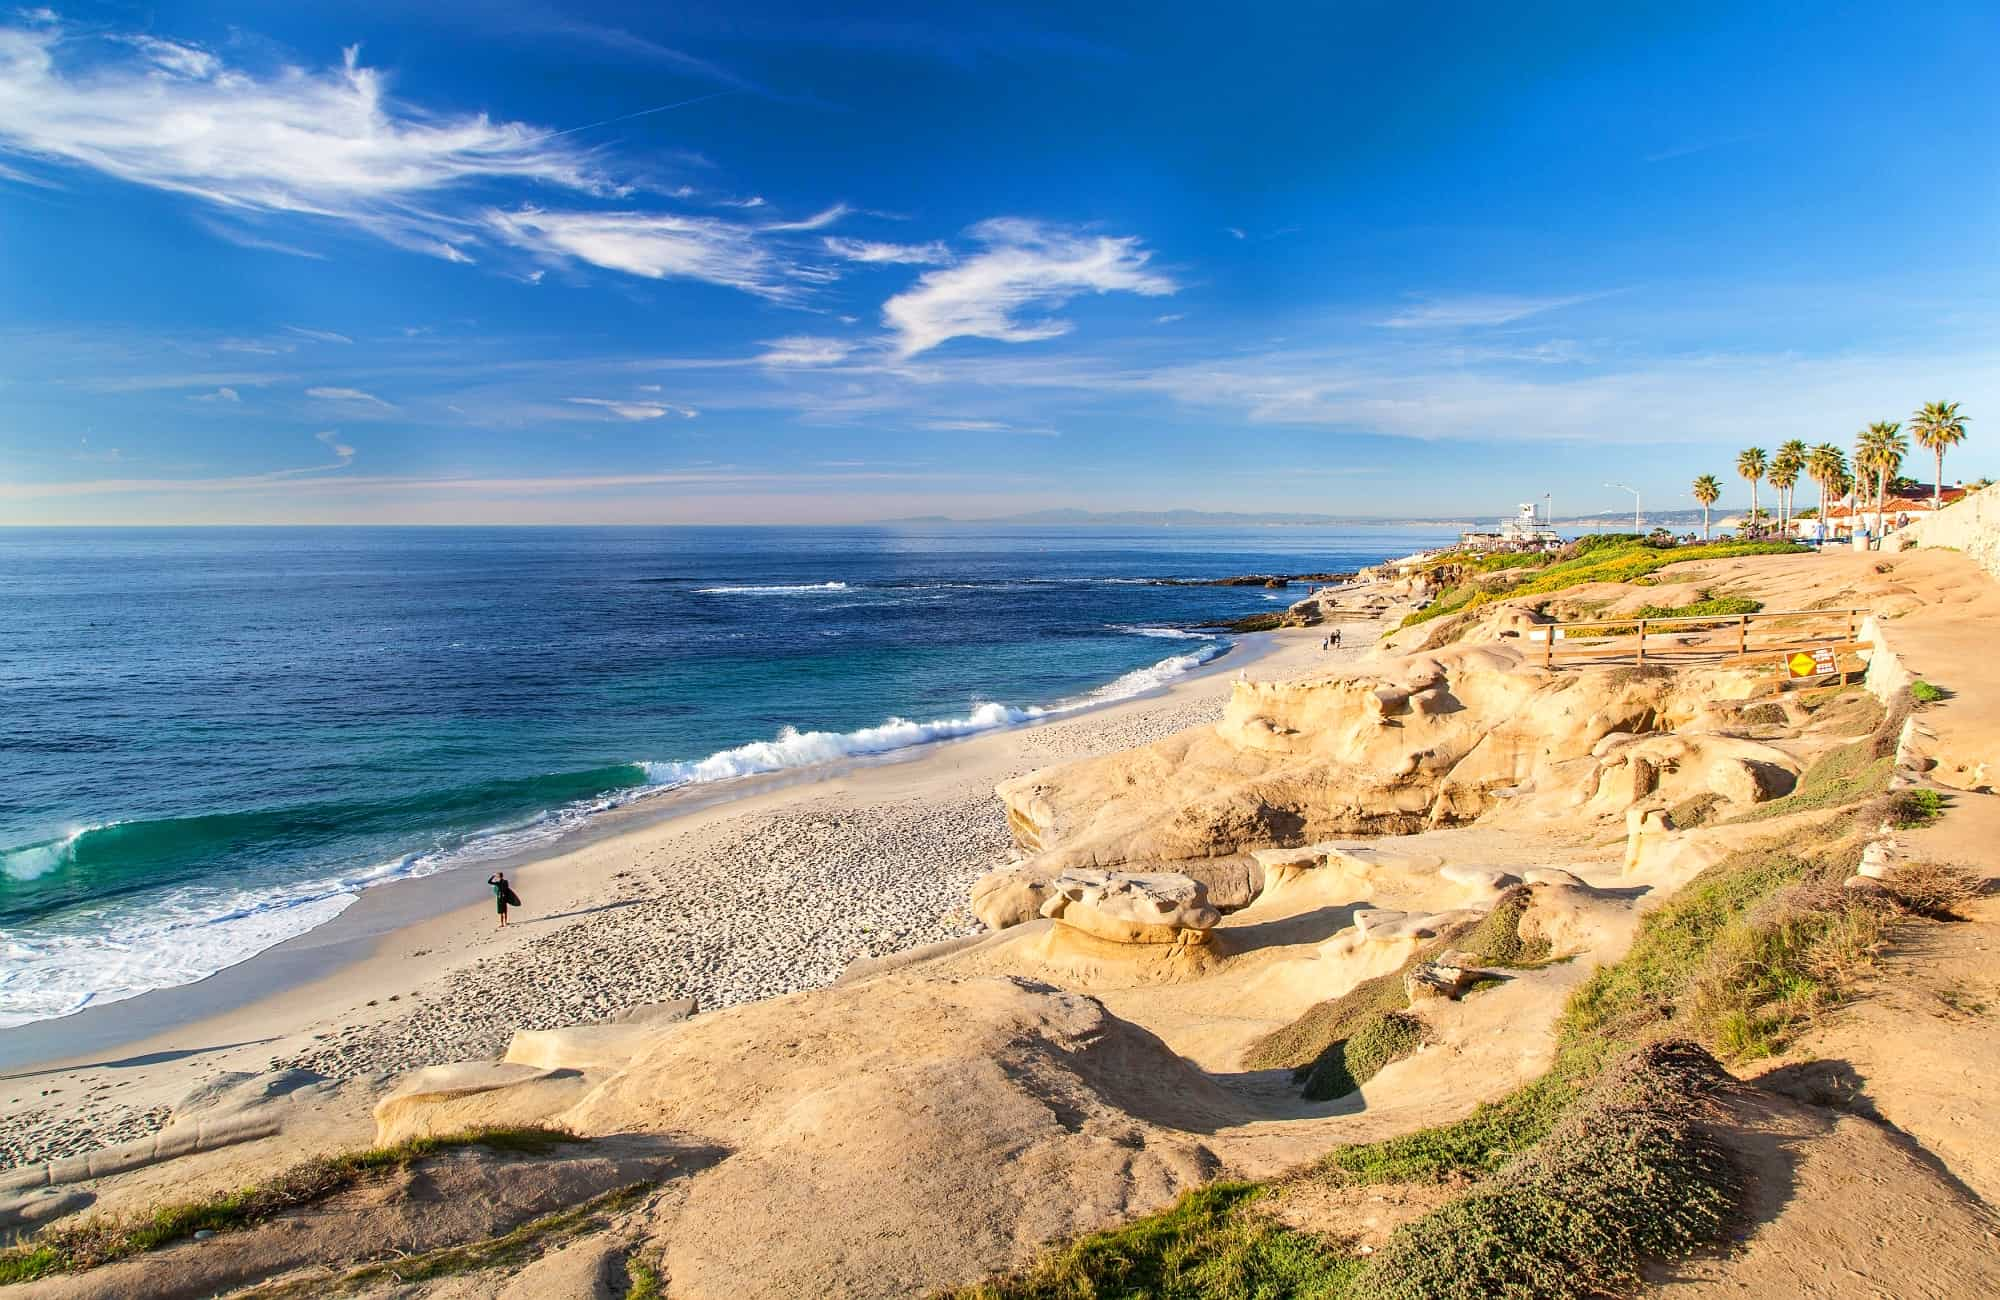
[[1747, 638]]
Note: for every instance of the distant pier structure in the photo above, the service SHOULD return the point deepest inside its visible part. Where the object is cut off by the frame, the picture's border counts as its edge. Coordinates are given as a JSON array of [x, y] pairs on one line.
[[1528, 530]]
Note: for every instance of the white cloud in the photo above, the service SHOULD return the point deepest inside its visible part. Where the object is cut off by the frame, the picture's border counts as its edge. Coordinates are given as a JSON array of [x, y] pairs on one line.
[[318, 336], [804, 350], [654, 245], [817, 221], [256, 347], [173, 57], [229, 233], [344, 395], [1475, 310], [636, 410], [342, 452], [23, 178], [223, 394], [1025, 265], [986, 426], [1410, 392], [1169, 318], [866, 250], [328, 143], [1236, 232]]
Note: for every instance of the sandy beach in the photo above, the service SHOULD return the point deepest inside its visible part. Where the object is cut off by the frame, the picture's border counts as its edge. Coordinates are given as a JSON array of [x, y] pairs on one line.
[[731, 900]]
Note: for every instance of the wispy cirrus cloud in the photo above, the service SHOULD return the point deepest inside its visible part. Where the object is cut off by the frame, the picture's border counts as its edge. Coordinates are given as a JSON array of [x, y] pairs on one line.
[[987, 426], [1025, 265], [223, 394], [805, 350], [346, 395], [640, 410], [342, 452], [231, 233], [867, 250], [1472, 310], [817, 221], [318, 336], [332, 144], [655, 245]]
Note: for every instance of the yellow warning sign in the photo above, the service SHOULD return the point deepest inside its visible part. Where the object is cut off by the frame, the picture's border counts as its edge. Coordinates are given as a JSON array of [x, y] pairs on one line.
[[1816, 662]]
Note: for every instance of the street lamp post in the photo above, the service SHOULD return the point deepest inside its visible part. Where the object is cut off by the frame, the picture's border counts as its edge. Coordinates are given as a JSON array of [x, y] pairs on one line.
[[1637, 525]]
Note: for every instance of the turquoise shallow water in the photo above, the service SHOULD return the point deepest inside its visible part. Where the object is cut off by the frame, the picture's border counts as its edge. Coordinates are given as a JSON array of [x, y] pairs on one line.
[[212, 740]]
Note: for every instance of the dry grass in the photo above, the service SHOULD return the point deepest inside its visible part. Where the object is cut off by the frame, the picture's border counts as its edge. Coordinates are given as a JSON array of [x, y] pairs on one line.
[[100, 1239], [1934, 889]]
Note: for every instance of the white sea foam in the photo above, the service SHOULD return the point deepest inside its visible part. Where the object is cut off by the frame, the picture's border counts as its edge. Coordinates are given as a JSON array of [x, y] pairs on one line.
[[34, 860], [107, 951], [797, 589], [1164, 633], [792, 748]]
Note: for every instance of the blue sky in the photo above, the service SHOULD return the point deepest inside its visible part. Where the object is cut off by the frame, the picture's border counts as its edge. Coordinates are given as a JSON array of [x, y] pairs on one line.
[[763, 263]]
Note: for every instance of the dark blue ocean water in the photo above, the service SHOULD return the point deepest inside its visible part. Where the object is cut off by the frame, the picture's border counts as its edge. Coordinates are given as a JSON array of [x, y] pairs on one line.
[[211, 739]]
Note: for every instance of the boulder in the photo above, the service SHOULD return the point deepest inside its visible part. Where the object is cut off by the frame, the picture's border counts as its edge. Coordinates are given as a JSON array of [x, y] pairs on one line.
[[605, 1046], [1447, 978], [474, 1094], [1130, 908], [1746, 781], [656, 1013], [1008, 897]]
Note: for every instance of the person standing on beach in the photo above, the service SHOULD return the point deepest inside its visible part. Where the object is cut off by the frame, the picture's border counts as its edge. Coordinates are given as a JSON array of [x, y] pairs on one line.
[[504, 896]]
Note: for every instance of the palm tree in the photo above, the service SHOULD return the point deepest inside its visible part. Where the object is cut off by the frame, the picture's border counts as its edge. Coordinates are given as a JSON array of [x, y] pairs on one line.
[[1938, 425], [1786, 467], [1827, 464], [1708, 492], [1750, 464], [1880, 451]]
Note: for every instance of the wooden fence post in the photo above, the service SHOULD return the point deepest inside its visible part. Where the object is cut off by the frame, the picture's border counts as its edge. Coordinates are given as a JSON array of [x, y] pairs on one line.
[[1642, 641], [1549, 650], [1743, 636]]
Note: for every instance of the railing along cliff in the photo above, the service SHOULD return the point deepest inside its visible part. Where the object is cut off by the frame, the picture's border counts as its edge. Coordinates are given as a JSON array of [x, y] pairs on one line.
[[1735, 638]]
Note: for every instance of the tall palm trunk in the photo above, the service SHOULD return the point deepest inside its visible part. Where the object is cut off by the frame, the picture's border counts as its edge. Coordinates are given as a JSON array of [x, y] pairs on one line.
[[1937, 484], [1881, 497], [1704, 521], [1753, 507]]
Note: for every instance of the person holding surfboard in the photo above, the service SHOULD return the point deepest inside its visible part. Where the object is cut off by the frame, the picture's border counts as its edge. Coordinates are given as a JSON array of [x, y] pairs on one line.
[[504, 896]]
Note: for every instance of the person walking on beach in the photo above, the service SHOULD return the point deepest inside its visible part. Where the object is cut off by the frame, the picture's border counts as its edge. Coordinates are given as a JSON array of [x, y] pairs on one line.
[[504, 896], [1336, 638]]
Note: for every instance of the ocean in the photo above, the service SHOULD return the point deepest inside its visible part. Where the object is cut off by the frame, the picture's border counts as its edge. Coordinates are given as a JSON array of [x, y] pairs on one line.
[[212, 740]]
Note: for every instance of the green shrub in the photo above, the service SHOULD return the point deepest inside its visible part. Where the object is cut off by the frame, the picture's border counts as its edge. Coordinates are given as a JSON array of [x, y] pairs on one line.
[[1300, 1045], [1496, 939], [1213, 1244], [1378, 1041], [1627, 1172], [1915, 807], [1674, 939], [1838, 778], [1492, 1134], [1607, 558], [1924, 693]]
